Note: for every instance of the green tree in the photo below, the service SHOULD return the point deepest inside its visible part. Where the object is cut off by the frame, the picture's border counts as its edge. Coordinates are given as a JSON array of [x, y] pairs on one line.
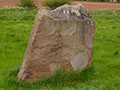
[[27, 4]]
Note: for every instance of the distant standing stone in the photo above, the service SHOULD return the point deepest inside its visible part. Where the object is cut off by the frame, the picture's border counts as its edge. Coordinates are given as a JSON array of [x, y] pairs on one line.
[[61, 39]]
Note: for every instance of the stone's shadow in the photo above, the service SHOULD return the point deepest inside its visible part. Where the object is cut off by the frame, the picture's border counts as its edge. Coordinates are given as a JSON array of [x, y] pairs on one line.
[[61, 78]]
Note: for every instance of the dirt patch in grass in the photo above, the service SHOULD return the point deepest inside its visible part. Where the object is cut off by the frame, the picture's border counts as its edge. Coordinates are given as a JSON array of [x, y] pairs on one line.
[[89, 5]]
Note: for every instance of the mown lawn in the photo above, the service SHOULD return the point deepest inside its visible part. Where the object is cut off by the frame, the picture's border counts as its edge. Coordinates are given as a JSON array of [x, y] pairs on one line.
[[15, 28]]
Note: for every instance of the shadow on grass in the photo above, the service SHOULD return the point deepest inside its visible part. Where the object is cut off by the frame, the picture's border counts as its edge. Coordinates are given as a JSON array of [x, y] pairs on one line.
[[59, 79]]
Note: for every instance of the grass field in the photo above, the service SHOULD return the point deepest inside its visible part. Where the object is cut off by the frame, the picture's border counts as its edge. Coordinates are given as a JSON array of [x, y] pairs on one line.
[[15, 28]]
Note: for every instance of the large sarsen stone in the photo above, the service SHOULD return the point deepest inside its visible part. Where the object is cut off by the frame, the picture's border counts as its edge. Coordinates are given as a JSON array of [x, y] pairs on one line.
[[61, 39]]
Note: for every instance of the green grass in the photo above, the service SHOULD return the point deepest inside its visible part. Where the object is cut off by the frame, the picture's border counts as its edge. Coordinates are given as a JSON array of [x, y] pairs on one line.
[[15, 28]]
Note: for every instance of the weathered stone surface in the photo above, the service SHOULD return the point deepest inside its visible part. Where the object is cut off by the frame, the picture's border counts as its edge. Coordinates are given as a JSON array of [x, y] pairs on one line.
[[61, 39]]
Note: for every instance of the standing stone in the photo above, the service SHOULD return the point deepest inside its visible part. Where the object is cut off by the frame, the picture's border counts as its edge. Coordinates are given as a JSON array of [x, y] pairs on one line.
[[61, 39]]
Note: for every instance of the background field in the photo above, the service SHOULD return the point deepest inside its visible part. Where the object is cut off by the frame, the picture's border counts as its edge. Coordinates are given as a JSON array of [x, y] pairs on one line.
[[15, 28]]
